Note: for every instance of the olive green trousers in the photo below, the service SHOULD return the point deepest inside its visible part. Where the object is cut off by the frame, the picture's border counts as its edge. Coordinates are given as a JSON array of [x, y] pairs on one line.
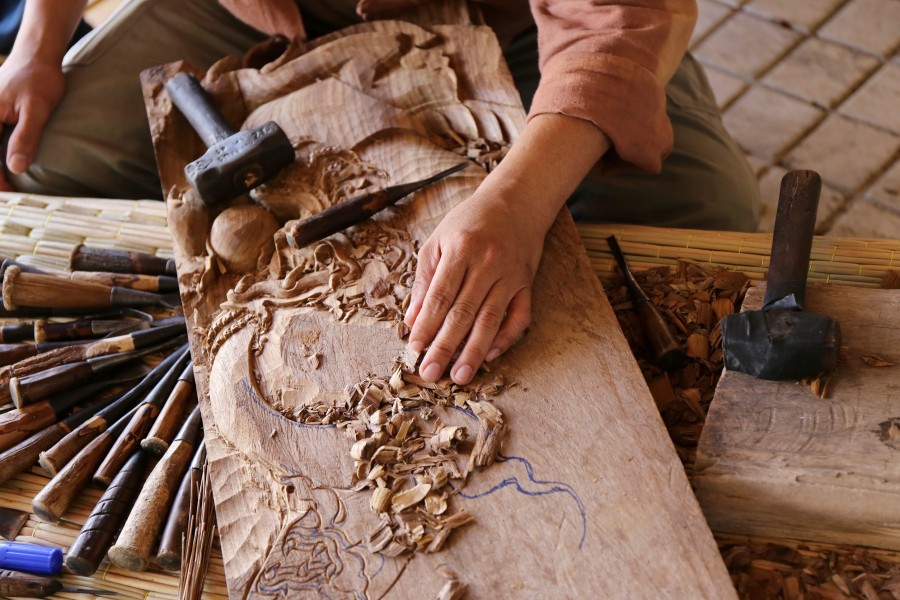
[[97, 143]]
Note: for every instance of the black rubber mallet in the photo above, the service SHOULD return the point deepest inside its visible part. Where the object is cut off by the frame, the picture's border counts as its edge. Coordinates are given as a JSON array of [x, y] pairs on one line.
[[236, 162], [783, 341]]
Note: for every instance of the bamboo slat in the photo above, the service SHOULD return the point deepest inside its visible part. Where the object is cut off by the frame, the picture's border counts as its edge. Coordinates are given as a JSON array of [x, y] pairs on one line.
[[42, 231], [850, 261]]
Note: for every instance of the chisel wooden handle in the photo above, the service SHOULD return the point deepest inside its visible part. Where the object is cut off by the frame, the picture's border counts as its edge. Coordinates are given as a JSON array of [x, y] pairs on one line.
[[85, 258], [99, 531], [126, 444], [169, 555], [59, 455], [19, 423], [667, 352], [50, 291], [23, 585], [11, 334], [132, 549], [34, 388], [170, 417], [140, 423], [145, 283], [25, 453], [55, 498]]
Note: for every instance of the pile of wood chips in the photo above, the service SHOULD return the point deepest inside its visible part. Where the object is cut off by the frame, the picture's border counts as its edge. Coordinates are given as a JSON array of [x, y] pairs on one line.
[[693, 297]]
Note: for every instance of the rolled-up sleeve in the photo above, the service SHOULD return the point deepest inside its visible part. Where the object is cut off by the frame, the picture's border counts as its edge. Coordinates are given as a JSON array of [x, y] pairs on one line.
[[608, 63]]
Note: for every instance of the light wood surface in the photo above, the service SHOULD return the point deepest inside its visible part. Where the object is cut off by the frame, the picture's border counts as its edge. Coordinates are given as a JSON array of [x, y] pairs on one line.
[[589, 499], [776, 460]]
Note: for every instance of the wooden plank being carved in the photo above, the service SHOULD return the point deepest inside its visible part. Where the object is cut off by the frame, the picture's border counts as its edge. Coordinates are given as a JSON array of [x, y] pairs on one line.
[[777, 460], [337, 471]]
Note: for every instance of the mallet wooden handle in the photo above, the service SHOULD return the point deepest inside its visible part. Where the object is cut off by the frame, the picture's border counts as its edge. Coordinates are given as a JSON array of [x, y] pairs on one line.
[[50, 291], [170, 417], [85, 258], [99, 531], [192, 100], [168, 556], [19, 423], [795, 224], [132, 549]]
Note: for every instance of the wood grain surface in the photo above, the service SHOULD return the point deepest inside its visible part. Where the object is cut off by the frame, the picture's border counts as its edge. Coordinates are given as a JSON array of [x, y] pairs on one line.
[[587, 498], [777, 460]]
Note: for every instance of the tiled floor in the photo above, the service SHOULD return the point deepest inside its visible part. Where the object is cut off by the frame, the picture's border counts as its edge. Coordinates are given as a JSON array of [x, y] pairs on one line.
[[813, 84]]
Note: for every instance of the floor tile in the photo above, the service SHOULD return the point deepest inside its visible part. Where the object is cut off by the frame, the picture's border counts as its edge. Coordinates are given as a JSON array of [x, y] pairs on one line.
[[746, 45], [886, 191], [805, 15], [846, 153], [864, 219], [821, 72], [766, 123], [878, 101], [871, 25], [726, 87], [709, 14]]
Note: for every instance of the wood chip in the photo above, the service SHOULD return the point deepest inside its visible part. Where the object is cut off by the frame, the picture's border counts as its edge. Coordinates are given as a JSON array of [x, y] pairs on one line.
[[410, 497], [877, 361]]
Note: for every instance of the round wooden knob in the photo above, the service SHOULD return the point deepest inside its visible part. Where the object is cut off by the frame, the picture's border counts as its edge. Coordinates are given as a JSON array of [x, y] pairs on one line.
[[242, 237]]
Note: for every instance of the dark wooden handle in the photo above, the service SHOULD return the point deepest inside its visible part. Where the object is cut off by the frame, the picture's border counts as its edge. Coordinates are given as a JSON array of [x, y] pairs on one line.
[[55, 498], [132, 548], [666, 351], [25, 453], [196, 106], [59, 455], [99, 531], [13, 584], [13, 353], [126, 444], [795, 224], [170, 418], [40, 386], [169, 554], [18, 424], [85, 258]]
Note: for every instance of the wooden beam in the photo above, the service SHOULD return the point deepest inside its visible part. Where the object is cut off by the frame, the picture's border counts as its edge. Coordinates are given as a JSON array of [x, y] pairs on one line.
[[776, 460]]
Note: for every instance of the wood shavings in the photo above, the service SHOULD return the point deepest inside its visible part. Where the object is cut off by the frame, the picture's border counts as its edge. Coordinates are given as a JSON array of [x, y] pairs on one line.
[[876, 361]]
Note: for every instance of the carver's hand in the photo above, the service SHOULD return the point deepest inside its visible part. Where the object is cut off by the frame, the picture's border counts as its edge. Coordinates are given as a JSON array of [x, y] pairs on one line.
[[475, 273], [473, 283], [29, 92]]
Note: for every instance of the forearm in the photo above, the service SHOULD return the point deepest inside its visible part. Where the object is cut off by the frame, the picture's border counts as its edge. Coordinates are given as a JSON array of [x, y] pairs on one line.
[[545, 165], [47, 26]]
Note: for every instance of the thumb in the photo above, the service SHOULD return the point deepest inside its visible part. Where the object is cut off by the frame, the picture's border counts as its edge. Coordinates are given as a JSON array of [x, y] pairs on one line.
[[25, 139]]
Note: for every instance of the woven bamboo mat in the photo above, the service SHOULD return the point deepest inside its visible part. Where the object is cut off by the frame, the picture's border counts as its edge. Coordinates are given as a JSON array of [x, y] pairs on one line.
[[848, 261], [42, 231]]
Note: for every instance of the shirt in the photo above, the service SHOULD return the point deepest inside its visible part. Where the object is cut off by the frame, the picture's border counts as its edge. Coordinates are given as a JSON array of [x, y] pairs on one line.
[[602, 61]]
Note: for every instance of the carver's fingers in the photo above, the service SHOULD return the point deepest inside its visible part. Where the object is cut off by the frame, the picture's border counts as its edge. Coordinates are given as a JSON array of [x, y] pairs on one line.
[[484, 331], [25, 138], [518, 318], [457, 322], [428, 259], [440, 296]]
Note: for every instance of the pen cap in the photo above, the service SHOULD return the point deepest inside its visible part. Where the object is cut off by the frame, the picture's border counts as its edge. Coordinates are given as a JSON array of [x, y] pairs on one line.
[[31, 558]]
